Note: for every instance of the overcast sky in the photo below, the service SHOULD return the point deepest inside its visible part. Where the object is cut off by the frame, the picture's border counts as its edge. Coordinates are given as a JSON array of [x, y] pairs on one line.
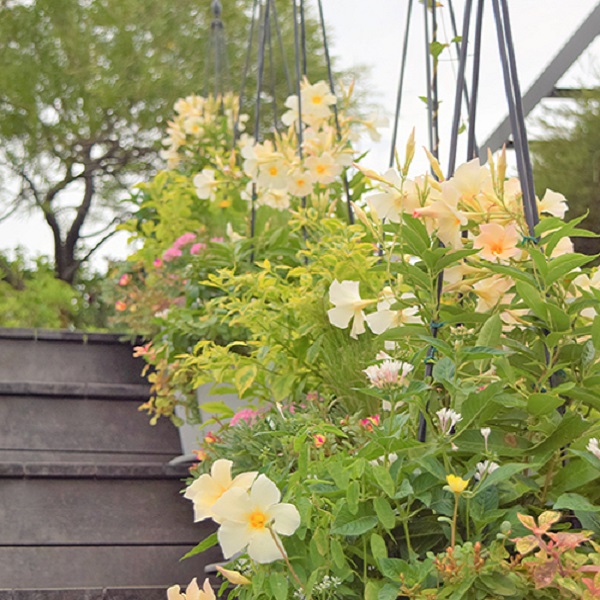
[[370, 32]]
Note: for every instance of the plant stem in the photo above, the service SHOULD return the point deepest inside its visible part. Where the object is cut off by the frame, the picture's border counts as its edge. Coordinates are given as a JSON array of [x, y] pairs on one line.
[[287, 562], [454, 519]]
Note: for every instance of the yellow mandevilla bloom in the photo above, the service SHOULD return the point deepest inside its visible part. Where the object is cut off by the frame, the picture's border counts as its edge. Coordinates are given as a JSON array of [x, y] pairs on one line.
[[457, 484]]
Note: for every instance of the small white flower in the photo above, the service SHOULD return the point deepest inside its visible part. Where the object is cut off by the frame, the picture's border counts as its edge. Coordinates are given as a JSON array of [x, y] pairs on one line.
[[485, 468], [448, 418], [593, 447], [485, 432]]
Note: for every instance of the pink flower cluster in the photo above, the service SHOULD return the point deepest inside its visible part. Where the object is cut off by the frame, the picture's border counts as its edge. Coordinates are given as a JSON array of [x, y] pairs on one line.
[[370, 422], [175, 251], [246, 414], [388, 374]]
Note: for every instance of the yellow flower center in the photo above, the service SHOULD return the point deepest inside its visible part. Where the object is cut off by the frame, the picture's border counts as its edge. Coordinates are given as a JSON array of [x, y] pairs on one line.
[[317, 99], [257, 519], [273, 171], [321, 169]]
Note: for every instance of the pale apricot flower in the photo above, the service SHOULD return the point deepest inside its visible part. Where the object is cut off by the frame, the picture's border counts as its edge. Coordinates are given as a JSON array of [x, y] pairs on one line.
[[497, 243], [192, 592], [445, 216], [207, 489], [205, 184], [490, 290]]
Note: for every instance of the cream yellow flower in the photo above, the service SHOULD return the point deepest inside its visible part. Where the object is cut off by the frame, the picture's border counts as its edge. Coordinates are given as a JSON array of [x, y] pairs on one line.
[[396, 197], [192, 592], [233, 576], [457, 484], [324, 169], [554, 204], [385, 319], [348, 306], [205, 184], [273, 174], [300, 183], [254, 520], [207, 489]]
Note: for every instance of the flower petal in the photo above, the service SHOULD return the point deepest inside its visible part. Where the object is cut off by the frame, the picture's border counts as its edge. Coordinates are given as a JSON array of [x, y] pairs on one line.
[[286, 518], [262, 547], [381, 320], [221, 472], [174, 593], [264, 492], [203, 492], [232, 506], [244, 480], [340, 316], [233, 537]]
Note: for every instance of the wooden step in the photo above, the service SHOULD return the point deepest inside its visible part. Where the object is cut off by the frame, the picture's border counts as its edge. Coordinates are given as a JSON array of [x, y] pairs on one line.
[[61, 568], [39, 423], [67, 357]]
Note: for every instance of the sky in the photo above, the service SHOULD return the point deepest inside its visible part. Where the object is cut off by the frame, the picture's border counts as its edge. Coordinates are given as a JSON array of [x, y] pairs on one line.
[[370, 33]]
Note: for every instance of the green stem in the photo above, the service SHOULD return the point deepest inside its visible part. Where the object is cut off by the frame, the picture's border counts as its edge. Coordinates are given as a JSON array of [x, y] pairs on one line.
[[287, 562], [454, 520]]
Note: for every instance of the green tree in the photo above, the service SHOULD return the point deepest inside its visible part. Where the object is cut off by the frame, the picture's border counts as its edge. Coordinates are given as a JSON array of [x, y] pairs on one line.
[[87, 87], [567, 160]]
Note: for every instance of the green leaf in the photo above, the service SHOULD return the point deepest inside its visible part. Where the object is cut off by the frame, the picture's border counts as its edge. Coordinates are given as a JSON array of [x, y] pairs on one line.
[[378, 547], [561, 265], [490, 333], [384, 480], [282, 386], [502, 474], [388, 592], [245, 377], [574, 502], [352, 496], [532, 298], [348, 524], [385, 513], [337, 553], [596, 332], [218, 408], [444, 370], [543, 404], [204, 545], [279, 585], [500, 584]]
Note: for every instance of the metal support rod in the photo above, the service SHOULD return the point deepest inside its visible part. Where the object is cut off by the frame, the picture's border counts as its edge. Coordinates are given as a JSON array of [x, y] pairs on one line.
[[457, 45], [510, 96], [286, 71], [472, 150], [335, 109], [264, 26], [435, 107], [528, 188], [236, 125], [457, 98], [400, 83], [428, 74]]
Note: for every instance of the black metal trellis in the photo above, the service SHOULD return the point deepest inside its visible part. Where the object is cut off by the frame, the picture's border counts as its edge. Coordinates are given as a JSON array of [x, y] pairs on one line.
[[516, 113], [216, 55], [265, 17]]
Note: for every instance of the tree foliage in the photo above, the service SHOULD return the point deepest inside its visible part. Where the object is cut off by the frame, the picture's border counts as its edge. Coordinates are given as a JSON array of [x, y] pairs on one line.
[[568, 161], [87, 87]]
